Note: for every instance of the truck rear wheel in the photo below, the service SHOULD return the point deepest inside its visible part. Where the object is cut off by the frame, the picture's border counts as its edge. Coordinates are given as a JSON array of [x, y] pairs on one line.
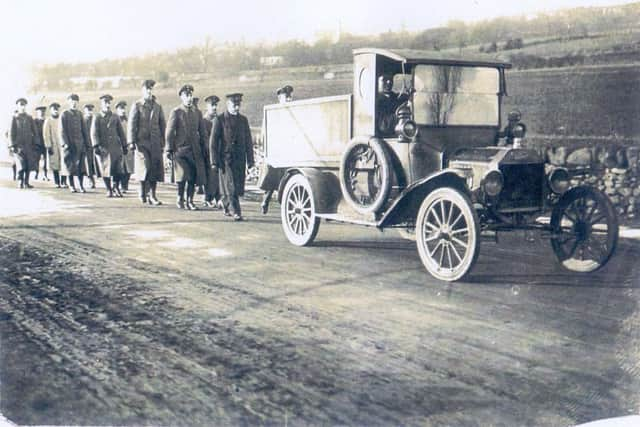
[[298, 211], [447, 234], [365, 175]]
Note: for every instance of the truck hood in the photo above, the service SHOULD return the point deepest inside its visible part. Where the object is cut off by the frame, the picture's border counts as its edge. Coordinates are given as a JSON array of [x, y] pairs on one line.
[[495, 155]]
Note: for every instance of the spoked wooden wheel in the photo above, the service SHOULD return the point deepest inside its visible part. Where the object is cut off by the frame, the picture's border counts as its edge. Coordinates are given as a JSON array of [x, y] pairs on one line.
[[585, 229], [298, 212], [447, 234]]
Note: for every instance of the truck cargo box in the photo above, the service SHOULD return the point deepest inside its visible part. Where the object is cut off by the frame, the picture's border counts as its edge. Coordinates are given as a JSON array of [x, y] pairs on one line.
[[309, 132]]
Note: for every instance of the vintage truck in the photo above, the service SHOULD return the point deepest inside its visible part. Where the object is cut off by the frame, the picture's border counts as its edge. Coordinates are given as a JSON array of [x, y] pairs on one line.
[[419, 146]]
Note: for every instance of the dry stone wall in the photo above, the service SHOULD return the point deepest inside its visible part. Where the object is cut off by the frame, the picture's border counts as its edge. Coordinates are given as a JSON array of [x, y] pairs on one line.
[[614, 170]]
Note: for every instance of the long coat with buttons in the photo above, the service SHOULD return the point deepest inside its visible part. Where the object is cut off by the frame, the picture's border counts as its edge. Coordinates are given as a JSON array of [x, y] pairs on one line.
[[51, 133], [74, 139], [109, 144], [146, 131], [24, 142], [231, 150], [186, 138]]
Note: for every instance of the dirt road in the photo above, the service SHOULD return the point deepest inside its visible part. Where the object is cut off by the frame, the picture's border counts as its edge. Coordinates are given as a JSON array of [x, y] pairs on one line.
[[115, 313]]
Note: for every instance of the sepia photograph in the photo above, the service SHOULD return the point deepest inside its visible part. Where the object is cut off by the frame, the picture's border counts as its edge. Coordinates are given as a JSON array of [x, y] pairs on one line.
[[305, 213]]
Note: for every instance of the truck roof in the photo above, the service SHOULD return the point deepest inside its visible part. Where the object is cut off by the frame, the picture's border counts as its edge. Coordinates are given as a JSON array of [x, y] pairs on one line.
[[412, 56]]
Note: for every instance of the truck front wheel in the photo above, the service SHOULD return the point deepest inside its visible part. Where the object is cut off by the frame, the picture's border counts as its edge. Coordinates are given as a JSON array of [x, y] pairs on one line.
[[298, 212], [447, 234]]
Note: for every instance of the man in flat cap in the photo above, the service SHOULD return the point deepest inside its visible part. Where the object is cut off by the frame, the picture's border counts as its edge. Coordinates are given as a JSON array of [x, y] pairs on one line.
[[145, 134], [39, 121], [74, 138], [231, 151], [23, 143], [270, 177], [92, 169], [185, 139], [212, 184], [129, 157], [109, 144], [51, 133]]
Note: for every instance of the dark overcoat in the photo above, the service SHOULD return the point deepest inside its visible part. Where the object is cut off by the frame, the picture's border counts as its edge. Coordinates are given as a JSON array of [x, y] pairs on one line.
[[23, 142], [92, 168], [211, 186], [186, 138], [231, 151], [146, 131], [109, 144], [42, 151], [74, 139], [129, 158]]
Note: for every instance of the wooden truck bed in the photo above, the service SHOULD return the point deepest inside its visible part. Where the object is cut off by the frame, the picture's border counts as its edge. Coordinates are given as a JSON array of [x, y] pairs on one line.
[[307, 133]]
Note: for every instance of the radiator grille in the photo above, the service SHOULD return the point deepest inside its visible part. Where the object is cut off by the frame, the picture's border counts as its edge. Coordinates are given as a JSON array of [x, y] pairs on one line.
[[522, 186]]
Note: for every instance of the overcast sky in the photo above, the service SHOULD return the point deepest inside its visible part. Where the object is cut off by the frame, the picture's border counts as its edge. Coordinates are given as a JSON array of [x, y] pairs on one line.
[[40, 31]]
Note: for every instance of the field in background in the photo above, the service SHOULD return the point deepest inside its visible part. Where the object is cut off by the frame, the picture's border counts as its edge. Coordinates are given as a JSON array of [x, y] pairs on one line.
[[580, 104]]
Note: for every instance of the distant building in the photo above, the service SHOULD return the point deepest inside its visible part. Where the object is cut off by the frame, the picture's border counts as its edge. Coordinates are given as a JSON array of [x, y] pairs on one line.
[[271, 61], [101, 82]]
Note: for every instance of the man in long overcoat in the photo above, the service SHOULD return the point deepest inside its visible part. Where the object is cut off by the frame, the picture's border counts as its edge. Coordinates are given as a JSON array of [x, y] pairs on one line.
[[74, 139], [39, 121], [212, 183], [51, 133], [129, 157], [146, 134], [231, 151], [92, 168], [23, 143], [186, 138], [109, 145]]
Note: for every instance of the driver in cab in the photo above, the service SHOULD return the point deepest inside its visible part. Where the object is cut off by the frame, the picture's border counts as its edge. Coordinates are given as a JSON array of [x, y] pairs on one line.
[[387, 104]]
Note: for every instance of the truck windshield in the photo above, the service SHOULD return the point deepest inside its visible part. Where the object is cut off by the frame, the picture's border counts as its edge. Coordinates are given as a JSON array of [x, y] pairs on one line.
[[456, 95]]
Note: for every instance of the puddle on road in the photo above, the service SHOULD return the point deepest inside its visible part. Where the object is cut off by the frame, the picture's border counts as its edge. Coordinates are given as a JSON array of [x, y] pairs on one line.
[[16, 202], [217, 252], [149, 234], [182, 242]]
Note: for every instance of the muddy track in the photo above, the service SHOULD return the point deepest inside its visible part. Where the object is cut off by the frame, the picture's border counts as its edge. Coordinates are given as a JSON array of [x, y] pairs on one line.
[[148, 343]]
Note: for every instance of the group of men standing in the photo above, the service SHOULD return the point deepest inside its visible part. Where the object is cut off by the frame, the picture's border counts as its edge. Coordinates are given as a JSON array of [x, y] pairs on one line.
[[210, 151]]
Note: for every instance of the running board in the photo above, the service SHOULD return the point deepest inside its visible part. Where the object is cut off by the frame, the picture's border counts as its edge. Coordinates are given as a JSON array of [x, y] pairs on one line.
[[346, 219]]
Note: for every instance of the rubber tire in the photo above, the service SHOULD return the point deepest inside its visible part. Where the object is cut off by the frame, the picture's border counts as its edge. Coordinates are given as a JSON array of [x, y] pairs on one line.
[[298, 182], [465, 206], [385, 165], [612, 224]]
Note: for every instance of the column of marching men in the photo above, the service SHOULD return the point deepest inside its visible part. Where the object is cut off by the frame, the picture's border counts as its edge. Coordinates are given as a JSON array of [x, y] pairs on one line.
[[208, 153]]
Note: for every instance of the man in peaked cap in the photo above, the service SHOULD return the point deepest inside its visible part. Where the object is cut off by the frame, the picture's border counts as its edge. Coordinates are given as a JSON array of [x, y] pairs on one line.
[[284, 94], [231, 151], [39, 121], [129, 157], [92, 169], [211, 186], [145, 134], [269, 176], [74, 138], [185, 140], [23, 143], [110, 144], [51, 133]]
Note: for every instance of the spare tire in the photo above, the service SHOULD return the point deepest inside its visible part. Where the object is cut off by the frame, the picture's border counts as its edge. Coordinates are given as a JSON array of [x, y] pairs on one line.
[[365, 175]]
